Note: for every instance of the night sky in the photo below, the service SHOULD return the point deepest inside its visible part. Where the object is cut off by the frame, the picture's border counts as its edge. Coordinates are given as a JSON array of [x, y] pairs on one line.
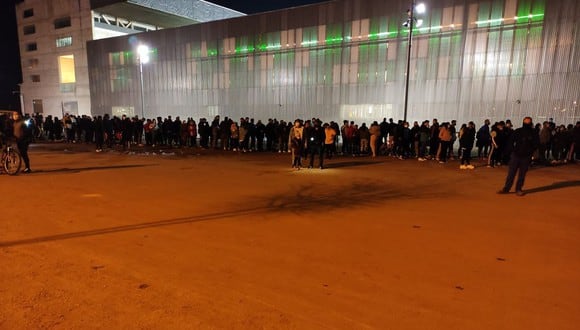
[[10, 72]]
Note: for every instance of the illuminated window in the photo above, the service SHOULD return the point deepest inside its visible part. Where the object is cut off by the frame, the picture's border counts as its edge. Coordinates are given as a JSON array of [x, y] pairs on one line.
[[32, 63], [66, 68], [31, 47], [63, 22], [63, 42], [29, 29], [28, 13], [35, 78]]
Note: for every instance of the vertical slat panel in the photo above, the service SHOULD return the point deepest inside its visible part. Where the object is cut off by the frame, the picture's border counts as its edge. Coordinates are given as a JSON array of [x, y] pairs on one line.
[[312, 62]]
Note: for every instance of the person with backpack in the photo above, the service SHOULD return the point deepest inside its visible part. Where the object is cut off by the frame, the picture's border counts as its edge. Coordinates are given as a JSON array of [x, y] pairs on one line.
[[525, 141]]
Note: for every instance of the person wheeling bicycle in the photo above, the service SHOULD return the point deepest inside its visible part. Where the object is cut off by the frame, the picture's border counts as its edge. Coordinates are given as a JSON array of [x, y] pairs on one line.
[[23, 133]]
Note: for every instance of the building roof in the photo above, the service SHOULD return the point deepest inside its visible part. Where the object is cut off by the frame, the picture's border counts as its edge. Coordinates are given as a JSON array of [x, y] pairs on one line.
[[165, 13]]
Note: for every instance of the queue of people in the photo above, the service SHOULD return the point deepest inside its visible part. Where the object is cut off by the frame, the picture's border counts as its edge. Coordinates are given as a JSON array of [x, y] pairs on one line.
[[431, 140]]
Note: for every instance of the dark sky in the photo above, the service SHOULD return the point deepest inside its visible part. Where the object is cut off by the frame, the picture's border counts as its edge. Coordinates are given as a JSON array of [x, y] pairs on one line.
[[257, 6], [10, 72], [10, 75]]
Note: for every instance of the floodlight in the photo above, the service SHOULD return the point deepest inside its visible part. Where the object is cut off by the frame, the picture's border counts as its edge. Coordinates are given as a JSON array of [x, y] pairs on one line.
[[143, 52], [420, 8]]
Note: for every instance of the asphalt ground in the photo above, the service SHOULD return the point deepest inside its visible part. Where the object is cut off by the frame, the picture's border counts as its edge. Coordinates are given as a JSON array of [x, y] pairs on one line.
[[190, 239]]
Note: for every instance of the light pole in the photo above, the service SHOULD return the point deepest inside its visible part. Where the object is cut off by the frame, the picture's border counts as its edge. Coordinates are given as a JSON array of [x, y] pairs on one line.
[[21, 97], [143, 52], [410, 23]]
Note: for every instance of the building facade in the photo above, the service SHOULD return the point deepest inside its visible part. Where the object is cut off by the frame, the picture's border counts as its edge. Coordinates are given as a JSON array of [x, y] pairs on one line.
[[53, 36], [346, 59]]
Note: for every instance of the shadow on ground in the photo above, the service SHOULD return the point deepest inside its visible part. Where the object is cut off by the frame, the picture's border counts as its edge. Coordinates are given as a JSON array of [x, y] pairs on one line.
[[350, 164], [312, 198], [554, 186], [84, 169], [309, 198]]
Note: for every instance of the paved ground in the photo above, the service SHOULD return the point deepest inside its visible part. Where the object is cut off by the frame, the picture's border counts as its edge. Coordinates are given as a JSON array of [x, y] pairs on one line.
[[215, 240]]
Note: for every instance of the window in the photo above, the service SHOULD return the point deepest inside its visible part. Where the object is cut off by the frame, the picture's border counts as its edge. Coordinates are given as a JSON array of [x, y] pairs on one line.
[[31, 47], [67, 88], [29, 29], [28, 13], [37, 106], [63, 42], [66, 68], [35, 78], [32, 63], [63, 22]]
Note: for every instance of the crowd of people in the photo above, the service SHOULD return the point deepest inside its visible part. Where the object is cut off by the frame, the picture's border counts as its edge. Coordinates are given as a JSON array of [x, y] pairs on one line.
[[429, 140]]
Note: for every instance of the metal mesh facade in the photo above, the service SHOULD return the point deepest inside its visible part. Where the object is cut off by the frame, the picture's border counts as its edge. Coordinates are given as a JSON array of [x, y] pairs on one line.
[[200, 11], [470, 60]]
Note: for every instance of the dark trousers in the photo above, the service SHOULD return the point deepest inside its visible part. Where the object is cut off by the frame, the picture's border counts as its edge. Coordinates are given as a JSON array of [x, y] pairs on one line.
[[23, 150], [99, 139], [317, 150], [444, 150], [433, 147], [466, 155], [542, 153], [517, 164], [329, 150], [149, 138], [482, 149]]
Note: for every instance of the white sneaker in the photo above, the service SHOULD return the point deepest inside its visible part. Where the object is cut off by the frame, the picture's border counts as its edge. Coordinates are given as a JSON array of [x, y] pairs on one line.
[[462, 167], [421, 159], [470, 167]]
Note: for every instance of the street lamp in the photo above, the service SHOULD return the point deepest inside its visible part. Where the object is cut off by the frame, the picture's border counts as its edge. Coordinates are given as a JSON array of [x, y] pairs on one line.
[[21, 97], [143, 52], [410, 23]]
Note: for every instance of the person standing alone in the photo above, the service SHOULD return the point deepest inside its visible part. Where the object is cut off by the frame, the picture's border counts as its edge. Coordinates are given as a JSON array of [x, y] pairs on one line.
[[315, 144], [524, 141]]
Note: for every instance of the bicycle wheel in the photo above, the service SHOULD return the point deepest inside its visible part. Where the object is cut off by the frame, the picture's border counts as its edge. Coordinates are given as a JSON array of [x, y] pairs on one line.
[[12, 162]]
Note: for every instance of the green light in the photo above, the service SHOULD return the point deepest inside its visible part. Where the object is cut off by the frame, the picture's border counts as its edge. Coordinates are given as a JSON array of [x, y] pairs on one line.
[[265, 48], [334, 40], [529, 10], [531, 16], [516, 18], [490, 21], [241, 50], [380, 34], [309, 43]]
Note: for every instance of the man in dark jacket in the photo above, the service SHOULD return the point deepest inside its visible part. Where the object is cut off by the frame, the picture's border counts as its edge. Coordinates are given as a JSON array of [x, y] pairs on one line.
[[524, 142], [315, 143], [22, 131]]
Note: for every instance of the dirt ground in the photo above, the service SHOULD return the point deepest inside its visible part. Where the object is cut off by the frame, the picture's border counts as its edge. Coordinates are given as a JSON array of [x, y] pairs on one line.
[[214, 240]]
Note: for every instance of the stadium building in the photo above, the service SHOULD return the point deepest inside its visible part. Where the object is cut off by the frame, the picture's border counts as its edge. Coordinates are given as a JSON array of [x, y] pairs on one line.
[[347, 59]]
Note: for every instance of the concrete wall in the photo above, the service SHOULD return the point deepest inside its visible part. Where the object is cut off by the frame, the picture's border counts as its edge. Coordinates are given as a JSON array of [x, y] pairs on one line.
[[49, 88]]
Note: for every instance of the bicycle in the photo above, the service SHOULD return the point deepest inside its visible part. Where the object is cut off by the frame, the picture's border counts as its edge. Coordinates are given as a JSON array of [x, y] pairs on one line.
[[11, 161]]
